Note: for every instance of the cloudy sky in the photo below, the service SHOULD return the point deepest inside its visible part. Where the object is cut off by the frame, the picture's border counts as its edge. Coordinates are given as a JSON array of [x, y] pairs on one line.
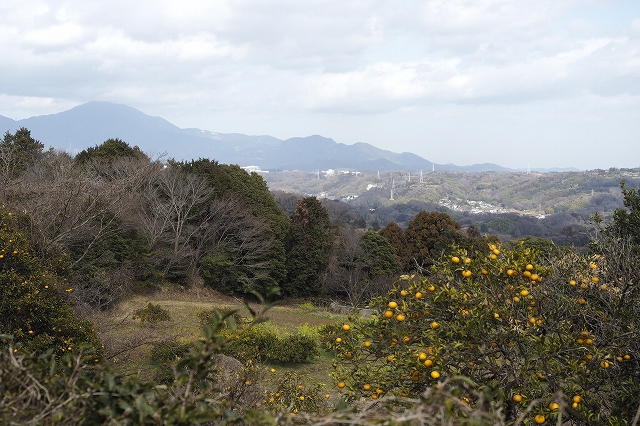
[[550, 83]]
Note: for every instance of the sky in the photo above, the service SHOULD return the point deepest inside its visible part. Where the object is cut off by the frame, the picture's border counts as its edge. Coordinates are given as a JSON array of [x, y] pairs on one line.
[[544, 83]]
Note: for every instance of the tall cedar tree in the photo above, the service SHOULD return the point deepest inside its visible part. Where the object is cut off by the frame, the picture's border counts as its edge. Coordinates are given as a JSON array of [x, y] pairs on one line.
[[308, 246]]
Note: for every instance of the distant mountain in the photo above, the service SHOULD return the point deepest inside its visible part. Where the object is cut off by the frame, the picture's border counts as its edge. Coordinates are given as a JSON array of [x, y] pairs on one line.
[[92, 123]]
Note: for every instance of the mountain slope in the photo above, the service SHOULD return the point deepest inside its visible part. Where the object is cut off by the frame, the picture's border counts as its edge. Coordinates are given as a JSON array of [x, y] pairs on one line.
[[94, 122]]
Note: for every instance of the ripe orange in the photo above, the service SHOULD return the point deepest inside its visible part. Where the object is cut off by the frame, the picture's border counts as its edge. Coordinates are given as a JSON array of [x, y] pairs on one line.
[[435, 375], [572, 283], [593, 266], [435, 325], [534, 277], [366, 387], [539, 419], [455, 259], [577, 399], [529, 267], [484, 272], [367, 344], [428, 363], [517, 398], [524, 293], [393, 305], [388, 314], [582, 301], [595, 279], [554, 406], [526, 274], [467, 261], [400, 317], [432, 288], [346, 327], [341, 385], [338, 339], [627, 357], [466, 273], [422, 356], [404, 293], [418, 295]]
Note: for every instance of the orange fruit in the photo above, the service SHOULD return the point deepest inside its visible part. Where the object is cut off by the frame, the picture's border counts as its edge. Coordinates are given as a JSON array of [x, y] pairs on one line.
[[435, 325], [539, 419], [393, 305], [435, 375], [455, 259], [388, 314], [346, 327], [517, 397], [400, 317], [341, 385]]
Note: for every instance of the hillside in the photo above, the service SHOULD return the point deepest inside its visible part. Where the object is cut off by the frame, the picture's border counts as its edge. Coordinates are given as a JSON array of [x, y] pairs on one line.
[[557, 206], [92, 123]]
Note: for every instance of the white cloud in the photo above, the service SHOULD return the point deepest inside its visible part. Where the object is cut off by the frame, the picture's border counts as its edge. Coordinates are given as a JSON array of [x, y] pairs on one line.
[[248, 65]]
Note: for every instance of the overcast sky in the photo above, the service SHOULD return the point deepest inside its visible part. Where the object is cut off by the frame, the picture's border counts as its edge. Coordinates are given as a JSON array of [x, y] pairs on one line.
[[550, 83]]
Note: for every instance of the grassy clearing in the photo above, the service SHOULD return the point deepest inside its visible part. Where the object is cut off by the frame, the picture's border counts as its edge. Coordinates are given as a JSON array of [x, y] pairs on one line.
[[128, 342]]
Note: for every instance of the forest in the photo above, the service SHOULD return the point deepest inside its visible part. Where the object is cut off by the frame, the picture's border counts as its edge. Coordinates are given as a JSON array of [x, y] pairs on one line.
[[461, 327]]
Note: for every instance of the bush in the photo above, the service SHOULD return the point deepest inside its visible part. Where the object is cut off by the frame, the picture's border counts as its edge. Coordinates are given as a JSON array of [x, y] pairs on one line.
[[264, 343], [152, 314], [526, 328]]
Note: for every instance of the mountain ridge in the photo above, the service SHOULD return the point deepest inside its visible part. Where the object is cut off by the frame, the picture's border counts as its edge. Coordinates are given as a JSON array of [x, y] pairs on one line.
[[94, 122]]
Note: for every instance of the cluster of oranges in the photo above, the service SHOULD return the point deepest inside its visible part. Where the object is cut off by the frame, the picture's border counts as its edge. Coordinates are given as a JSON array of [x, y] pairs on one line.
[[499, 313]]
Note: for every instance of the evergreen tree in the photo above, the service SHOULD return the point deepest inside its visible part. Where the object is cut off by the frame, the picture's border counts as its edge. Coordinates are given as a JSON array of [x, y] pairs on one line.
[[17, 152], [308, 247], [110, 150], [395, 235], [427, 235]]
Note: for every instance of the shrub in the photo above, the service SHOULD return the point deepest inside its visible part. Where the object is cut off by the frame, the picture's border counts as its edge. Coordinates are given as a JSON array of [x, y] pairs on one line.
[[527, 329], [262, 342], [152, 314]]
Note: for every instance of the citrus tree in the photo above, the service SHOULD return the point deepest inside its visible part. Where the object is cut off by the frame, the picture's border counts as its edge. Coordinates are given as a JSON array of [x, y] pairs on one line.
[[34, 306], [542, 337]]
